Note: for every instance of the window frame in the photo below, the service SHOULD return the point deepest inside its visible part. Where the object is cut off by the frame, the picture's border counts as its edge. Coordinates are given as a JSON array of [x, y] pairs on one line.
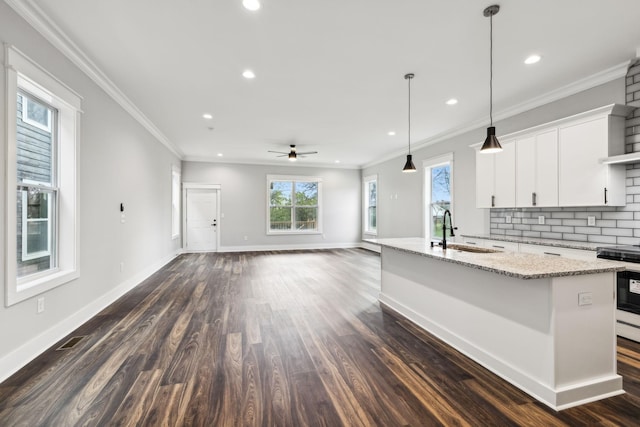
[[22, 74], [427, 165], [366, 227], [293, 179]]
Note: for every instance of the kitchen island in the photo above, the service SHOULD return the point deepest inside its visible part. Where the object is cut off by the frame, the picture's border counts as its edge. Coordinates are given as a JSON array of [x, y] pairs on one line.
[[544, 323]]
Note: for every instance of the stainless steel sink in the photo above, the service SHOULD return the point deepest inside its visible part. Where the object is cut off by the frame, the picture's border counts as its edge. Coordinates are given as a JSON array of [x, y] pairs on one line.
[[472, 249]]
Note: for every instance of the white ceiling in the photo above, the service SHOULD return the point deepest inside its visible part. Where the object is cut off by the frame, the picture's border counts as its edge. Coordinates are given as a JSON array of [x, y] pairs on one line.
[[330, 73]]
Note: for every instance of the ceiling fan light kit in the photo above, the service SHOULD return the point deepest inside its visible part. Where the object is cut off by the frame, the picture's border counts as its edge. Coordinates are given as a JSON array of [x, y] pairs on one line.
[[293, 154]]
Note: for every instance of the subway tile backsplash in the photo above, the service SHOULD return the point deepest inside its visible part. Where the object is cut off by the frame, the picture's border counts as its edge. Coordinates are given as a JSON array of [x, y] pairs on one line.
[[613, 225]]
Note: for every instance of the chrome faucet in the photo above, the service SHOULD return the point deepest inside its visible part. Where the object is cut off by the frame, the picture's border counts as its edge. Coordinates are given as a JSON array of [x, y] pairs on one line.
[[444, 228]]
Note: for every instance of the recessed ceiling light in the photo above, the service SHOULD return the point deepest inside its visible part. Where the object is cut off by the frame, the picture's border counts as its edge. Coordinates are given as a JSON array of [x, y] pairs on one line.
[[207, 116], [337, 161], [452, 101], [252, 5], [532, 59], [248, 74], [391, 133], [219, 154]]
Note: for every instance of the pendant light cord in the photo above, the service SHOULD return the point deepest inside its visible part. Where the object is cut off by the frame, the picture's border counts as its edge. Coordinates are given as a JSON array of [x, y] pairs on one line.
[[491, 69], [409, 114]]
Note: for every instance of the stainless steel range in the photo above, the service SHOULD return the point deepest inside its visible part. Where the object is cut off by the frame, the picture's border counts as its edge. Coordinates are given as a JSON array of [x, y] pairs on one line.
[[628, 289]]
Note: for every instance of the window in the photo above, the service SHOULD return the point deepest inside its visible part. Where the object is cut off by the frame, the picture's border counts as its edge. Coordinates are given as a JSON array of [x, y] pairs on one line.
[[175, 202], [43, 130], [294, 205], [438, 173], [370, 192]]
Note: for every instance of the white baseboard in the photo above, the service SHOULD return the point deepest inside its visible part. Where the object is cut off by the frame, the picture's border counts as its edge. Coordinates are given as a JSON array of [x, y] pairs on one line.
[[557, 399], [22, 355], [292, 247]]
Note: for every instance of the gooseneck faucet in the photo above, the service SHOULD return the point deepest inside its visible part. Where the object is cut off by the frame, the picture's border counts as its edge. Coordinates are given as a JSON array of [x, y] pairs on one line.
[[444, 228]]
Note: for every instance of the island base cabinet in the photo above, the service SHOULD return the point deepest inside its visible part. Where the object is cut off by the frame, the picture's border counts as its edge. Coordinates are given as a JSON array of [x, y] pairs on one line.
[[533, 333]]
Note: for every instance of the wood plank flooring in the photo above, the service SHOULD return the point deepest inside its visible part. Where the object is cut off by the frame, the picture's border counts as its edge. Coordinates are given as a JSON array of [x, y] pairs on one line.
[[276, 339]]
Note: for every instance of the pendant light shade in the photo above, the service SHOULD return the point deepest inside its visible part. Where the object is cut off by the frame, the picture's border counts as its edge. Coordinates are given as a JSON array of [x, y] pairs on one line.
[[409, 166], [491, 144]]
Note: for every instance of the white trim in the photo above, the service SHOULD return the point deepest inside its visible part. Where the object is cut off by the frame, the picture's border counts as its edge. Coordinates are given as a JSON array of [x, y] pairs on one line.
[[22, 355], [290, 247], [36, 17], [597, 79]]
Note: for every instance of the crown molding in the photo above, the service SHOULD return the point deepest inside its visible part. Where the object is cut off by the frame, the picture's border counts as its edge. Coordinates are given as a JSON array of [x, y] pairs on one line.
[[36, 17], [597, 79]]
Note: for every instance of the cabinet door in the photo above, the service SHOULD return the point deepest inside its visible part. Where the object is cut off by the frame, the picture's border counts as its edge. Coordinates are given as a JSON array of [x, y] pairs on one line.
[[582, 178], [546, 187], [505, 176], [525, 171], [484, 179]]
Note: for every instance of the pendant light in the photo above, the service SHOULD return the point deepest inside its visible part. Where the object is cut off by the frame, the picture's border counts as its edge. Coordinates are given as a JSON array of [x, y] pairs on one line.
[[409, 166], [491, 144]]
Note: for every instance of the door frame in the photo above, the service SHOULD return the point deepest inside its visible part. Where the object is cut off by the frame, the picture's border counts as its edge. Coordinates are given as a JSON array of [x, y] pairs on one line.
[[200, 186]]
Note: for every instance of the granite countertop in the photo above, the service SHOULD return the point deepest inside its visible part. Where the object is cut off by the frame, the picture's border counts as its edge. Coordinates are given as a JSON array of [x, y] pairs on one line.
[[569, 244], [513, 264]]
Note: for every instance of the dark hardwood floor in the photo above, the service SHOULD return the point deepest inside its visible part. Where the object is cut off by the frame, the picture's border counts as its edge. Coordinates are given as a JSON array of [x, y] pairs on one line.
[[276, 339]]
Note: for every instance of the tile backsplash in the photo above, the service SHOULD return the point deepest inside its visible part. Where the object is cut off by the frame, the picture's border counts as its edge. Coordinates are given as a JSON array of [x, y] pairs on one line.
[[613, 225]]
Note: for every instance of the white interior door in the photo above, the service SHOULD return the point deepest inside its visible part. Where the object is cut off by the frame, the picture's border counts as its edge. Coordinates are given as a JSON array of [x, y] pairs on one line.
[[202, 220]]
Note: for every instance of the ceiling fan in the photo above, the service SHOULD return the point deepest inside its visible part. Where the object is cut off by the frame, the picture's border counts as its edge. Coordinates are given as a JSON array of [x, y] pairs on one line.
[[293, 154]]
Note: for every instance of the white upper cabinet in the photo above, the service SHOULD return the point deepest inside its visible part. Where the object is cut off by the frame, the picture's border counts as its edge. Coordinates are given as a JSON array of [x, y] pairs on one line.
[[557, 164], [537, 170], [495, 177], [584, 180]]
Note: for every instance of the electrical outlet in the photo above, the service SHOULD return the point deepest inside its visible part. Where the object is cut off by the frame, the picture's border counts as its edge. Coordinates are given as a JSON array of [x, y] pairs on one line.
[[121, 266], [507, 219], [40, 305], [591, 221], [585, 298], [541, 219]]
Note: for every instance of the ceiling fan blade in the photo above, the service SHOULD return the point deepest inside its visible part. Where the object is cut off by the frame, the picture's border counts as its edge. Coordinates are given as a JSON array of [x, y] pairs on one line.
[[307, 152], [277, 152]]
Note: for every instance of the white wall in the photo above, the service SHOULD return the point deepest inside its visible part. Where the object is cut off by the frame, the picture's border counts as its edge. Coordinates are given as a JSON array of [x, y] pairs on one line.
[[243, 202], [120, 162], [401, 216]]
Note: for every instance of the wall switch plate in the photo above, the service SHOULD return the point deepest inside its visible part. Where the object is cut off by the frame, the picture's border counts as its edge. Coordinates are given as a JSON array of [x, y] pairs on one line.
[[40, 308], [585, 298], [507, 219], [541, 219], [591, 221]]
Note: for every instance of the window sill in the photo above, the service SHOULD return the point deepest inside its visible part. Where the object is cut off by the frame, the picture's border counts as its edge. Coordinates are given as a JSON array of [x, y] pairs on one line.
[[369, 233], [26, 289]]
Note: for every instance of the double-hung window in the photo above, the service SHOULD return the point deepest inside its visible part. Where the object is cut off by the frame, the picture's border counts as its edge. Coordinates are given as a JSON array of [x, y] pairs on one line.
[[370, 192], [294, 205], [438, 175], [175, 202], [42, 192]]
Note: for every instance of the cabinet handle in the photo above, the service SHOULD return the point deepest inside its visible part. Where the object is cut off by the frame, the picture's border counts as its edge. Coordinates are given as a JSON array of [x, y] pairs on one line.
[[471, 243], [493, 201], [533, 199], [551, 253], [605, 195], [498, 246]]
